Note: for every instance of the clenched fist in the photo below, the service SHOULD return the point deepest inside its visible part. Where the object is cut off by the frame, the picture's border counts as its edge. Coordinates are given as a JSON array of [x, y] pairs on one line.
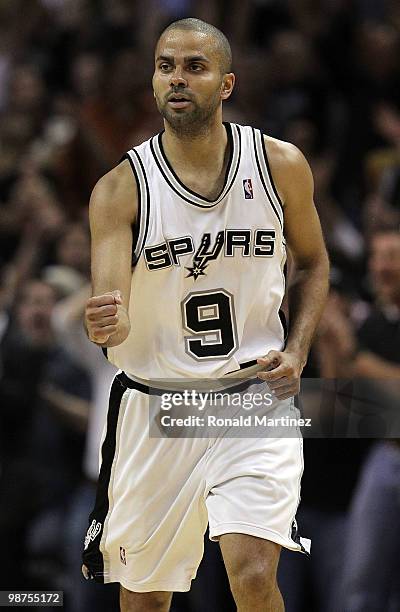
[[105, 317], [282, 371]]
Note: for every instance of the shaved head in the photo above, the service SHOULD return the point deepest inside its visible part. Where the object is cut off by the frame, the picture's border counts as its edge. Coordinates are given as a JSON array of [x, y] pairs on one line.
[[222, 45]]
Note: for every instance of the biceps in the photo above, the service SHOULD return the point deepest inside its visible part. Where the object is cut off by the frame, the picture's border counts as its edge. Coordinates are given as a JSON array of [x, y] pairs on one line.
[[304, 235]]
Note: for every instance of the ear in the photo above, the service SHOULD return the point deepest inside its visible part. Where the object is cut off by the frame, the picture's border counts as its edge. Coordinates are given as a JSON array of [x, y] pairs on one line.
[[228, 84]]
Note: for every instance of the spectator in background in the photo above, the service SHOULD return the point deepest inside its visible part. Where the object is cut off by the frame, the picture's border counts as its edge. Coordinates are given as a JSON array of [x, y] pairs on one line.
[[44, 398], [375, 80], [70, 268], [383, 173], [333, 464], [81, 596], [344, 240], [370, 571], [299, 87], [371, 531]]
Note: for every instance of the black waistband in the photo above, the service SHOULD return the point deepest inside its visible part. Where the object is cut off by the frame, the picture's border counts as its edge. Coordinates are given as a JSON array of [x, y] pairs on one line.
[[129, 383]]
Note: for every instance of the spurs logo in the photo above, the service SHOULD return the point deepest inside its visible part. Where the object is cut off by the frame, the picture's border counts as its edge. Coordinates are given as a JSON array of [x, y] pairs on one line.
[[92, 533], [227, 243], [204, 255]]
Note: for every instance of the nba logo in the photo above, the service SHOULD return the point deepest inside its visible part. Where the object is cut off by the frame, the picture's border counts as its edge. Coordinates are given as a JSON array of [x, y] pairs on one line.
[[248, 189], [122, 555]]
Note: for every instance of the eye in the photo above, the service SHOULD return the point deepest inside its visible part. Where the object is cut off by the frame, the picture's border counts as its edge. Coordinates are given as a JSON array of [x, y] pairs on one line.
[[164, 66], [195, 67]]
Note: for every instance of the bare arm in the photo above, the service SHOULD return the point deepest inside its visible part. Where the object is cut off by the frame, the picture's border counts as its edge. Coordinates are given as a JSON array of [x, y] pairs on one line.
[[386, 373], [71, 409], [293, 179], [112, 212], [369, 365]]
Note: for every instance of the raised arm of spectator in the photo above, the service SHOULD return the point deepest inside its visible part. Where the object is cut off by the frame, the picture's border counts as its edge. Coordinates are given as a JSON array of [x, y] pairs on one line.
[[369, 365], [372, 366], [112, 213], [71, 409]]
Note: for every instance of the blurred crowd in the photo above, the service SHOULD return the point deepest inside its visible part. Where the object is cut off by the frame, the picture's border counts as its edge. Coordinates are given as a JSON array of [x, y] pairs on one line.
[[75, 94]]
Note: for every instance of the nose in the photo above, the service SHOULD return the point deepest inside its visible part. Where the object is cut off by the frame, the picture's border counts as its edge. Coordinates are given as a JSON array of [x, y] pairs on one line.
[[177, 78]]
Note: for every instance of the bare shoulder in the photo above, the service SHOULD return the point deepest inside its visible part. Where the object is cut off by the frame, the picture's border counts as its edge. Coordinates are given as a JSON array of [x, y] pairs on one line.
[[115, 194], [287, 162], [281, 153]]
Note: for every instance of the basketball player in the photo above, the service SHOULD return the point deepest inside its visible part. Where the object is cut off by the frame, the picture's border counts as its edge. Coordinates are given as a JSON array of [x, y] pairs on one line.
[[188, 255]]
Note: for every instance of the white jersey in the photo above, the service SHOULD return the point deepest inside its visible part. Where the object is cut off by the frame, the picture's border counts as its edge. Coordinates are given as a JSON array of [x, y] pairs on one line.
[[208, 275]]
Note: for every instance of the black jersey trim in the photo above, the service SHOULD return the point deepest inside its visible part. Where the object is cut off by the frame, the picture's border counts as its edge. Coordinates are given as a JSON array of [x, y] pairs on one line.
[[266, 167], [244, 366], [281, 313], [135, 226], [282, 318], [92, 556], [228, 128], [184, 192], [270, 173], [146, 229], [294, 535], [248, 364], [263, 181]]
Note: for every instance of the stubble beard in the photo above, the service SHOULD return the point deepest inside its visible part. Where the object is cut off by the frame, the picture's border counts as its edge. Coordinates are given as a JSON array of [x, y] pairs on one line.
[[193, 122]]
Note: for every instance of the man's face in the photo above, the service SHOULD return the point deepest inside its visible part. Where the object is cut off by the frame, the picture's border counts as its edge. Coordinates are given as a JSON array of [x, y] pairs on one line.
[[35, 309], [74, 249], [188, 83], [384, 265]]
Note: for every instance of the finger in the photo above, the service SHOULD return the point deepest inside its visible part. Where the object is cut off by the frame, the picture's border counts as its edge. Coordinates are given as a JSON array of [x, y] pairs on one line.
[[283, 396], [279, 372], [117, 295], [103, 334], [282, 382], [107, 311], [288, 395], [105, 321], [92, 314], [100, 339], [271, 360], [100, 300]]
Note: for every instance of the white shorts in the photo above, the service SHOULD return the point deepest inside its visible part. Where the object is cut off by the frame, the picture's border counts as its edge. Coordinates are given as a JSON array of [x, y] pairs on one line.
[[156, 496]]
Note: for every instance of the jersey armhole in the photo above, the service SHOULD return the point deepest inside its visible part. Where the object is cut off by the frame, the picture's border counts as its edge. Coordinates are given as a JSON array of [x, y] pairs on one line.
[[140, 228], [266, 176]]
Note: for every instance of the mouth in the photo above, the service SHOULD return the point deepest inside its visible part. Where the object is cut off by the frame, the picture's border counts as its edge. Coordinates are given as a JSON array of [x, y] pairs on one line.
[[178, 101]]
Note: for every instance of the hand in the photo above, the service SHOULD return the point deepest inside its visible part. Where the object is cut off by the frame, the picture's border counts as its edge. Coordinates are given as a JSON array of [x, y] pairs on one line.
[[282, 371], [101, 316]]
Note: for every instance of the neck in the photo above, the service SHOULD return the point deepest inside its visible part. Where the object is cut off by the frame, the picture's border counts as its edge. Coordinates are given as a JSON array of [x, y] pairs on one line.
[[205, 148]]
